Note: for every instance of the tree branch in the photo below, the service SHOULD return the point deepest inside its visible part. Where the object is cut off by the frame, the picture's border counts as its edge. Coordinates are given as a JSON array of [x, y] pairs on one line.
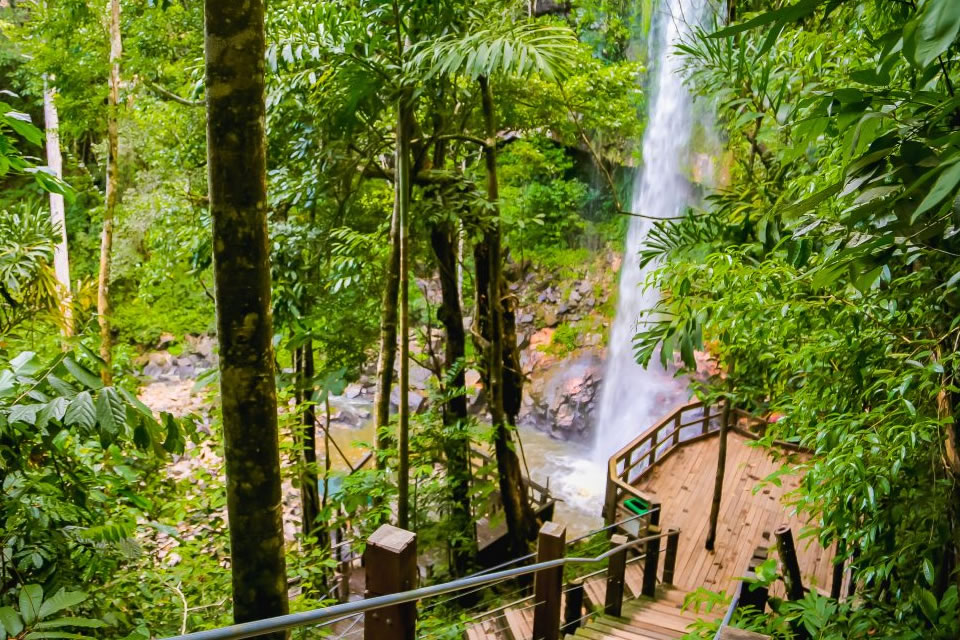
[[169, 95]]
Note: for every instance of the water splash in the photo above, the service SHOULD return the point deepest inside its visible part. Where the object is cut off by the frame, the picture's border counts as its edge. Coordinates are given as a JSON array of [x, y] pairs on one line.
[[632, 398]]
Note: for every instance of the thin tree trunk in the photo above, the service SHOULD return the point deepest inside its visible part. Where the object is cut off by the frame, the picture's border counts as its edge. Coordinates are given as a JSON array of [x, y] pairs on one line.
[[61, 260], [521, 522], [110, 204], [402, 185], [236, 159], [388, 336], [718, 484], [457, 441], [309, 491]]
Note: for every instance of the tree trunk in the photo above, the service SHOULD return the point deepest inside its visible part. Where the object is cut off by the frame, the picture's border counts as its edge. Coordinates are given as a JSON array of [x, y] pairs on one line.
[[236, 159], [718, 484], [309, 491], [388, 336], [457, 440], [402, 185], [110, 204], [61, 260], [521, 522]]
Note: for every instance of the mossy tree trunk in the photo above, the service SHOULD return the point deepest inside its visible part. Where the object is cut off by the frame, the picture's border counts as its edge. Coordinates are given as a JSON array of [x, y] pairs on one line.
[[457, 441], [236, 155], [110, 197], [521, 521], [61, 256]]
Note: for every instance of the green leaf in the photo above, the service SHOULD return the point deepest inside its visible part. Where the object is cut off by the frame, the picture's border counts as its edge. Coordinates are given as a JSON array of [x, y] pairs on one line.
[[82, 375], [25, 413], [928, 604], [11, 621], [928, 571], [931, 32], [81, 411], [25, 364], [89, 623], [20, 122], [780, 16], [63, 599], [111, 411], [31, 596], [55, 635], [944, 186]]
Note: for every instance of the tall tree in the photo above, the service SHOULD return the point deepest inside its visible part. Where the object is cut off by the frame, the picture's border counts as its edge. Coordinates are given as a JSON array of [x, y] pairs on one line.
[[110, 204], [61, 260], [236, 158], [388, 335]]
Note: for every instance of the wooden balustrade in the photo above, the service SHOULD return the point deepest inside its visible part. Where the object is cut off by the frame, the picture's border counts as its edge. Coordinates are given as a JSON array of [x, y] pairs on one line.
[[684, 425]]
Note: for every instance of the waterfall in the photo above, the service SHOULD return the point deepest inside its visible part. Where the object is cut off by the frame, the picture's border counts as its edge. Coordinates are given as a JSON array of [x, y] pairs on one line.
[[633, 398]]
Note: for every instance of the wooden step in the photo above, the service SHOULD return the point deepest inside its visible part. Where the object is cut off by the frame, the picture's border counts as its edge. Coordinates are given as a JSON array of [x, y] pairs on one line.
[[628, 631]]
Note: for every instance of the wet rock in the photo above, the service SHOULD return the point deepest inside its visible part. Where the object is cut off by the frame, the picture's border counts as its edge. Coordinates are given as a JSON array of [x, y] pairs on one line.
[[414, 400], [590, 302], [525, 318], [353, 390], [563, 396], [550, 318], [574, 297], [585, 287]]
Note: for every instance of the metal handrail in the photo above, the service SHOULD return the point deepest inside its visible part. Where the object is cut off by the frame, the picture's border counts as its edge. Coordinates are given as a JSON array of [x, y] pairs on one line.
[[729, 615], [304, 618]]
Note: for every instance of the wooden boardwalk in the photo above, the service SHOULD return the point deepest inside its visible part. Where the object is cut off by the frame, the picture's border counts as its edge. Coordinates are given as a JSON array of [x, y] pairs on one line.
[[683, 484]]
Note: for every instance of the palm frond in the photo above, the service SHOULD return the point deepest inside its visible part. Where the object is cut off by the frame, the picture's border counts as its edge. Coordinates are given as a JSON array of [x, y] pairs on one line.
[[517, 49]]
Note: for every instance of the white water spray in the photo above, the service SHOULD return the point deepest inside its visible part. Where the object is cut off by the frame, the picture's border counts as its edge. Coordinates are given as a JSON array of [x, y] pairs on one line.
[[633, 398]]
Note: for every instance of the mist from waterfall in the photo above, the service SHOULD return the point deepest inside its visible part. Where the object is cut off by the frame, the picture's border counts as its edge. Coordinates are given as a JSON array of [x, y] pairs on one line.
[[633, 398]]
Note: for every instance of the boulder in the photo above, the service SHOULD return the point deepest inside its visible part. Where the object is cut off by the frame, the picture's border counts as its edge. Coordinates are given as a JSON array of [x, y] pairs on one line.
[[563, 395]]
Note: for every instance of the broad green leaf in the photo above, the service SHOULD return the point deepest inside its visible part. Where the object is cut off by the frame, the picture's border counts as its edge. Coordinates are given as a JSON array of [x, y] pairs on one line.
[[31, 597], [82, 375], [62, 599], [62, 387], [55, 635], [111, 411], [89, 623], [81, 411], [945, 185], [931, 32], [25, 413], [11, 621], [26, 364]]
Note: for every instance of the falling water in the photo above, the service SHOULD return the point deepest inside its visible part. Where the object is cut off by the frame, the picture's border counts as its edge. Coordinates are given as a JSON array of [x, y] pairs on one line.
[[632, 397]]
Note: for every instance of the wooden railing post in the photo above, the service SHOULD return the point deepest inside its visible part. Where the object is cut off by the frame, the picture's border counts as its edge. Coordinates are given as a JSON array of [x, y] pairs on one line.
[[548, 583], [650, 562], [391, 553], [655, 513], [838, 569], [573, 608], [616, 574], [670, 557], [755, 597], [610, 502], [789, 563]]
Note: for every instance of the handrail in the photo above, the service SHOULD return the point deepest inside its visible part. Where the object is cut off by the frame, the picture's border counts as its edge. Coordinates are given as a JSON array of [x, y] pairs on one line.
[[304, 618], [729, 615]]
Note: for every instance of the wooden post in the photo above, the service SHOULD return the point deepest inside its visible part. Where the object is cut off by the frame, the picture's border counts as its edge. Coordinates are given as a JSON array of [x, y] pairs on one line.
[[670, 557], [392, 554], [616, 573], [756, 597], [655, 514], [838, 567], [676, 428], [789, 564], [610, 503], [718, 482], [573, 610], [548, 583], [650, 562]]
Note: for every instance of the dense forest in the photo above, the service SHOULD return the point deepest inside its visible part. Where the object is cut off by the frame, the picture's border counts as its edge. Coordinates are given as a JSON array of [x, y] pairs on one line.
[[273, 275]]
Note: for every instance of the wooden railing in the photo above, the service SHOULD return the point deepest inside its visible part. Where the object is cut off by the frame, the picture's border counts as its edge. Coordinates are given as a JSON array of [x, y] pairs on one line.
[[483, 467], [685, 424]]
